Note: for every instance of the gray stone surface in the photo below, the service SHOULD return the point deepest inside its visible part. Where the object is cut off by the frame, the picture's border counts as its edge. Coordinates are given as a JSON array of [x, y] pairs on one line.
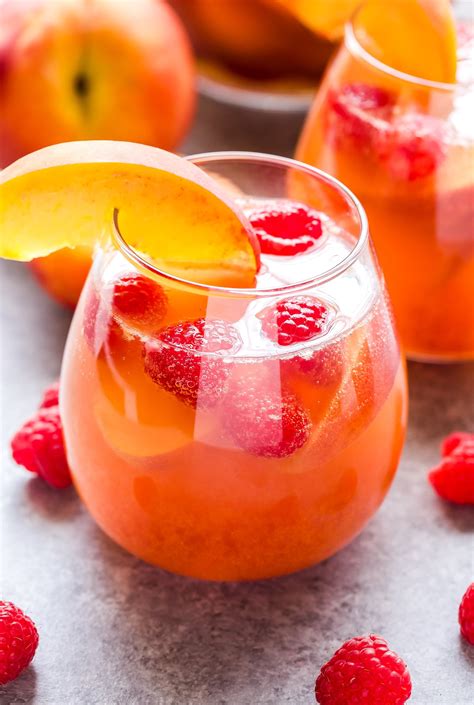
[[115, 631]]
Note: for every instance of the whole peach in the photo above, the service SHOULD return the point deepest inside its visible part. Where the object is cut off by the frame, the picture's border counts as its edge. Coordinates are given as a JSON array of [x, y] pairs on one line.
[[90, 69]]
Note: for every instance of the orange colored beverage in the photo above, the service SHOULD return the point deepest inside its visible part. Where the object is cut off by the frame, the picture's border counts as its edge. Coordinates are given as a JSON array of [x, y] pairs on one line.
[[237, 434], [405, 146]]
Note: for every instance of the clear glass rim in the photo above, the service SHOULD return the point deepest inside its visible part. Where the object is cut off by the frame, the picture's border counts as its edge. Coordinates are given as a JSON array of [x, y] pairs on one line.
[[257, 157], [356, 48]]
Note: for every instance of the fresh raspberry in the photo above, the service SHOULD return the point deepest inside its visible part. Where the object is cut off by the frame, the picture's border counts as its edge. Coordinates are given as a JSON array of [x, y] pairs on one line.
[[187, 359], [287, 229], [18, 641], [324, 367], [139, 300], [451, 442], [295, 320], [364, 672], [466, 614], [265, 422], [50, 397], [416, 147], [359, 113], [453, 478], [39, 447]]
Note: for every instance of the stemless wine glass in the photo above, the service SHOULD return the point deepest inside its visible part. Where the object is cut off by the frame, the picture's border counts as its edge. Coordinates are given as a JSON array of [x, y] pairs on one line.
[[405, 146], [207, 436]]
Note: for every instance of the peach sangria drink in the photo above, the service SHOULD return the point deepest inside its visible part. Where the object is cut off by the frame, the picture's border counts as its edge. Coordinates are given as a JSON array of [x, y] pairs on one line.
[[233, 397], [400, 134]]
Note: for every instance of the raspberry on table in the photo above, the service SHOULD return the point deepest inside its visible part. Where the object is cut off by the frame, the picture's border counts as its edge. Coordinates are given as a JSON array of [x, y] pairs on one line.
[[416, 148], [18, 641], [364, 671], [359, 113], [287, 229], [187, 359], [264, 422], [453, 478], [139, 300], [39, 447], [50, 396], [458, 439], [466, 614], [295, 320]]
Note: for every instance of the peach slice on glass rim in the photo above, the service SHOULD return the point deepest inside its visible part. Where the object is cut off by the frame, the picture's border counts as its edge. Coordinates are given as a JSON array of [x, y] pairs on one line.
[[170, 211], [417, 37], [321, 16]]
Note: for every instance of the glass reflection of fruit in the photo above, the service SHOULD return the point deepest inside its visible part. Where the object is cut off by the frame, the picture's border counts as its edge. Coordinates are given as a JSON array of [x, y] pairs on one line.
[[405, 146], [241, 425]]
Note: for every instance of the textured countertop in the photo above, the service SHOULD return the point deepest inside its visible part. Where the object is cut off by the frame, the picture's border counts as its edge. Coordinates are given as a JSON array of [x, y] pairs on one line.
[[114, 631]]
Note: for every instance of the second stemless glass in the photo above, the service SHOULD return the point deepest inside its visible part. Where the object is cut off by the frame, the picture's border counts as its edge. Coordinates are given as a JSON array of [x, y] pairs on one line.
[[242, 458], [405, 146]]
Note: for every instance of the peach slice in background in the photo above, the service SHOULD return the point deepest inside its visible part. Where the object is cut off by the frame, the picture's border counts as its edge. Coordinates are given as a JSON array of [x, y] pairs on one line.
[[414, 36], [323, 17], [170, 211], [63, 273], [417, 37]]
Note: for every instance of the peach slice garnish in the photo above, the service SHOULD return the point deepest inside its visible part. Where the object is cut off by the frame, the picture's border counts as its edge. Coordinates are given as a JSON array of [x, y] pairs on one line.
[[324, 17], [170, 211], [417, 37]]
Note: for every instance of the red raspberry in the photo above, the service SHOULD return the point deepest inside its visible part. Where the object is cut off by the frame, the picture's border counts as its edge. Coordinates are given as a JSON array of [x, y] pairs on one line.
[[266, 423], [139, 300], [18, 641], [453, 478], [287, 229], [187, 359], [416, 147], [39, 447], [50, 397], [295, 320], [466, 614], [364, 672], [359, 113], [454, 440]]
